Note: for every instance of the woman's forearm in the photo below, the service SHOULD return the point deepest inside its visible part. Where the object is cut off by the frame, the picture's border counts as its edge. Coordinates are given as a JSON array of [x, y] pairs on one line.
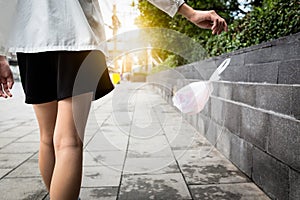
[[186, 11]]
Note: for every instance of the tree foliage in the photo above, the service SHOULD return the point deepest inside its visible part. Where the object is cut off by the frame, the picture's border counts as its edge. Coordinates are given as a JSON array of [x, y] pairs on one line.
[[268, 19]]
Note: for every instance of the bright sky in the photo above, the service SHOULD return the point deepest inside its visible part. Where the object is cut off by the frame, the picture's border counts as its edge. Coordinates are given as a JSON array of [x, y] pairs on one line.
[[125, 12]]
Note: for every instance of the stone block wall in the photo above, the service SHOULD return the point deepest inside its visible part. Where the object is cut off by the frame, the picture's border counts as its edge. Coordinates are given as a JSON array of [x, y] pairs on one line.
[[253, 115]]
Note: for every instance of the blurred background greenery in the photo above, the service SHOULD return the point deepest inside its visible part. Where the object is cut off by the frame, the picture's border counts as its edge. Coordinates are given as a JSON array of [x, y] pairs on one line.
[[250, 22]]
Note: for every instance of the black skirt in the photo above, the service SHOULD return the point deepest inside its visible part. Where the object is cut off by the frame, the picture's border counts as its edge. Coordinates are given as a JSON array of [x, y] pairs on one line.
[[56, 75]]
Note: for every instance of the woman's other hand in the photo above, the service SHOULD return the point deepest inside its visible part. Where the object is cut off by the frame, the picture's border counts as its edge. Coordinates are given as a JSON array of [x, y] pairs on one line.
[[204, 19], [6, 78]]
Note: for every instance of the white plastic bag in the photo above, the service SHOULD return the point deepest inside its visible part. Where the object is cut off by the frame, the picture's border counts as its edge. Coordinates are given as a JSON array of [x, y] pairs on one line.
[[192, 98]]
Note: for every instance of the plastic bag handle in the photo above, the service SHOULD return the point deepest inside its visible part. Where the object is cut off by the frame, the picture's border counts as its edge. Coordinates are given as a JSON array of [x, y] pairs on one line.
[[215, 76]]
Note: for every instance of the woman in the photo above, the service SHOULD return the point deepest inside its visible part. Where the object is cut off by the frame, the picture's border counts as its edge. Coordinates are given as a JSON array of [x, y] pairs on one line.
[[53, 39]]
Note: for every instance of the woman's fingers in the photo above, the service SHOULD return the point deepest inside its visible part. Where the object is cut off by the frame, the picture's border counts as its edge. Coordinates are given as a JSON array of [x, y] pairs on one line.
[[10, 81], [215, 25], [6, 89], [2, 94], [219, 24], [220, 27], [205, 24]]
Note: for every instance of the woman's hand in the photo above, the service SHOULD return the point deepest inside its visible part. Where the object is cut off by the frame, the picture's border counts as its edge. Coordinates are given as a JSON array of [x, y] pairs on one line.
[[6, 78], [204, 19]]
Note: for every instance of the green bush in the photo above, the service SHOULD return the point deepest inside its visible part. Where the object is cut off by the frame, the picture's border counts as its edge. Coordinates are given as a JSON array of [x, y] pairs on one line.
[[268, 19], [273, 20]]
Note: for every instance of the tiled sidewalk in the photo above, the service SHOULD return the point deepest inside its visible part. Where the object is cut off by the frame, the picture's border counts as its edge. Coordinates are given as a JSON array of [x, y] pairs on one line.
[[136, 147]]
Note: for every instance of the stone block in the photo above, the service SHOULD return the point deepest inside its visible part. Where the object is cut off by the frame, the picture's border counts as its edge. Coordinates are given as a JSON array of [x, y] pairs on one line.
[[238, 59], [271, 175], [265, 72], [289, 72], [244, 93], [222, 89], [202, 124], [193, 120], [241, 154], [275, 98], [236, 73], [237, 150], [254, 126], [217, 110], [205, 69], [284, 140], [207, 108], [257, 56], [232, 119], [296, 102], [294, 185], [285, 51], [224, 143], [213, 132]]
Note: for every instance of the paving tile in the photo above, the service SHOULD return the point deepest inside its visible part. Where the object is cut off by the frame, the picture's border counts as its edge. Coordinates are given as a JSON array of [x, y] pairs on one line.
[[3, 172], [28, 169], [144, 120], [5, 141], [146, 131], [18, 147], [111, 131], [149, 146], [184, 141], [160, 187], [5, 126], [137, 152], [208, 168], [108, 158], [33, 137], [152, 165], [107, 143], [10, 161], [17, 132], [174, 120], [22, 188], [193, 155], [180, 129], [241, 191], [119, 119], [103, 193], [100, 176]]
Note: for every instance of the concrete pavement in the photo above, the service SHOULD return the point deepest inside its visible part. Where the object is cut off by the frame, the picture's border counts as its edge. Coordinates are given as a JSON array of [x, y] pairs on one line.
[[136, 147]]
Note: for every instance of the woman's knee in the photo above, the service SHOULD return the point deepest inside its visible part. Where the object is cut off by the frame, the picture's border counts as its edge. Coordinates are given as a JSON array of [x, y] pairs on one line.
[[67, 142], [46, 138]]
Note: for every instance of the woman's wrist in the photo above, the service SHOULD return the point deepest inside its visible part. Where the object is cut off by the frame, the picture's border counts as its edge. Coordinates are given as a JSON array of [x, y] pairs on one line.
[[186, 11]]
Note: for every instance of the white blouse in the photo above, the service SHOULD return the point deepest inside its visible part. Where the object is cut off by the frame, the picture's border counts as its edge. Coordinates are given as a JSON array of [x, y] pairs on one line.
[[51, 25]]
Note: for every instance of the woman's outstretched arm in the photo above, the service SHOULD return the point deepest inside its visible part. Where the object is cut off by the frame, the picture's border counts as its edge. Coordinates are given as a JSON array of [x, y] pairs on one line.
[[203, 19]]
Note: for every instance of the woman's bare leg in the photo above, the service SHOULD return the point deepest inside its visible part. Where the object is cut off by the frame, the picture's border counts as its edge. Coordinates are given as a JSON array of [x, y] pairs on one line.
[[68, 143], [46, 115]]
